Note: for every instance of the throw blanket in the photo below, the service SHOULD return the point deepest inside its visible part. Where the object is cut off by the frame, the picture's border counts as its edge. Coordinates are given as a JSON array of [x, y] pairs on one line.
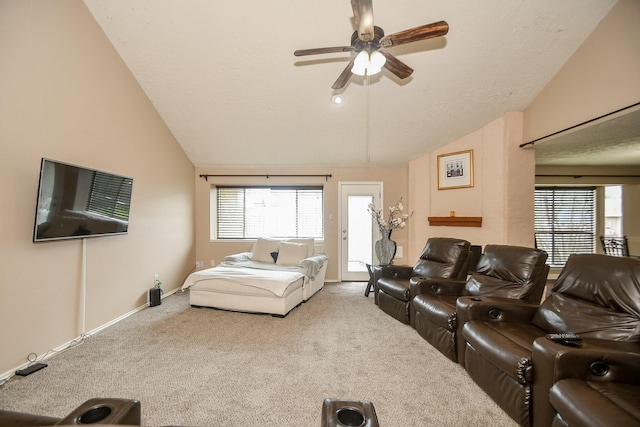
[[309, 266], [274, 281]]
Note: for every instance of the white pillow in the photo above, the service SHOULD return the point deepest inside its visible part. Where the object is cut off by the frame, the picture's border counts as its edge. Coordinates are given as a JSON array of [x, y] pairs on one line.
[[291, 253], [309, 242], [264, 247]]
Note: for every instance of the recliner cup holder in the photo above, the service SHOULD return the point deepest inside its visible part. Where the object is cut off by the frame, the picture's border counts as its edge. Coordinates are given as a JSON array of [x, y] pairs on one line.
[[348, 413], [95, 414], [494, 313], [350, 417], [105, 410]]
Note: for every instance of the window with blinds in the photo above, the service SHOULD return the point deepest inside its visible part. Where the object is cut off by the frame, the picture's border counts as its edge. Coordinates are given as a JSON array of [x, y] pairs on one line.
[[110, 195], [565, 221], [252, 212]]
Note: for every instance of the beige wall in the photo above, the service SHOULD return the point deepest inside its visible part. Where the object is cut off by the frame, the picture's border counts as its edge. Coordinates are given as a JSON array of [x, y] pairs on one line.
[[65, 94], [600, 77], [630, 221], [394, 185], [502, 193]]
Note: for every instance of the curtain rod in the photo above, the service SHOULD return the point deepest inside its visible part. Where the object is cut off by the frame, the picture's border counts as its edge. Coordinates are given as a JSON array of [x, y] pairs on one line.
[[206, 176], [579, 124]]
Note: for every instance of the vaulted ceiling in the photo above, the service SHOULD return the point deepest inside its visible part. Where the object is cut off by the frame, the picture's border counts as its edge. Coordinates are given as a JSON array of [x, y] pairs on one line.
[[224, 78]]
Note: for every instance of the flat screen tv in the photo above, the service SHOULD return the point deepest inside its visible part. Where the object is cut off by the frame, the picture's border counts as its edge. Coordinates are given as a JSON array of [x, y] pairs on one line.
[[76, 202]]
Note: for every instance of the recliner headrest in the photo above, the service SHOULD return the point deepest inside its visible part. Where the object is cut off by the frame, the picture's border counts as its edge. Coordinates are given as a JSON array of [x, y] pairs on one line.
[[444, 257], [608, 281], [515, 264], [444, 249]]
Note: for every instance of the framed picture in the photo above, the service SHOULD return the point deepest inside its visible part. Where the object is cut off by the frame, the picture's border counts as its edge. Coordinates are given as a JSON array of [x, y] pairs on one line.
[[455, 170]]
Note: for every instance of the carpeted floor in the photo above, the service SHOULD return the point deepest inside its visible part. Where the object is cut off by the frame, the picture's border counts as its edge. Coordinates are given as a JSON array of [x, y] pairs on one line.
[[205, 367]]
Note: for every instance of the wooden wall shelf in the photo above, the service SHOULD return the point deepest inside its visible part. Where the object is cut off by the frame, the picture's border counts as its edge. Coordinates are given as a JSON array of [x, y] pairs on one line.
[[456, 221]]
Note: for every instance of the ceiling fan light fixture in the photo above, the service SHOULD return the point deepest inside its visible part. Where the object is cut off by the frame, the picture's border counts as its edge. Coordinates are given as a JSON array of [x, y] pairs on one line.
[[361, 63], [366, 64], [376, 62], [368, 39]]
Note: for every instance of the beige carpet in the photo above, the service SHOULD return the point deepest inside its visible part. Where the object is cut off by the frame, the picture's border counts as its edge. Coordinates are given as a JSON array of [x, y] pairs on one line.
[[205, 367]]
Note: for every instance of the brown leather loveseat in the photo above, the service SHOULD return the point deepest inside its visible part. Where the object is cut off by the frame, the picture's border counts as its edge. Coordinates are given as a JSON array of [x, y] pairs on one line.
[[509, 356]]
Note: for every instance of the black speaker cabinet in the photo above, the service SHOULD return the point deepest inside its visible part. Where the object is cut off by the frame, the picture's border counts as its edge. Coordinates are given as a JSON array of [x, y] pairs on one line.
[[347, 413], [154, 297], [124, 412]]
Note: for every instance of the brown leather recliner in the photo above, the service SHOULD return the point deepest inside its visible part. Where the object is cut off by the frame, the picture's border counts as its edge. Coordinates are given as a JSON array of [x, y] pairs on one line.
[[509, 357], [592, 403], [111, 411], [441, 257], [502, 271], [22, 419]]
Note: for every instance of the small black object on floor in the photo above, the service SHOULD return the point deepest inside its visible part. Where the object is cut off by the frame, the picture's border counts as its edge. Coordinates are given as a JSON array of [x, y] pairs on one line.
[[155, 295], [31, 369]]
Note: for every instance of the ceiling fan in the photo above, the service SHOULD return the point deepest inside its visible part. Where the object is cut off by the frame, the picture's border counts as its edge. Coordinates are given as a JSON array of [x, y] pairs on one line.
[[369, 41]]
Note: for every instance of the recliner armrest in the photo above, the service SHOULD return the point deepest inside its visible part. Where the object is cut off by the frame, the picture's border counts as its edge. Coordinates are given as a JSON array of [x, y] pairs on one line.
[[21, 419], [395, 271], [494, 309], [436, 286], [597, 360]]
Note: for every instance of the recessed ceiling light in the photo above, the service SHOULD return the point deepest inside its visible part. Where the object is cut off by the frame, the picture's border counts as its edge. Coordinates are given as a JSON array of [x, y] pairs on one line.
[[337, 99]]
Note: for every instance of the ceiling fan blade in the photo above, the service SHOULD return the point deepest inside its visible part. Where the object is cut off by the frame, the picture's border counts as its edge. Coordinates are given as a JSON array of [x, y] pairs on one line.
[[316, 51], [423, 32], [363, 14], [343, 78], [396, 66]]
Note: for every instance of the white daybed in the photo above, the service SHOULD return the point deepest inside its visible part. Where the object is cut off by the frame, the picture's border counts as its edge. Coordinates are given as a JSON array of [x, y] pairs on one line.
[[277, 276]]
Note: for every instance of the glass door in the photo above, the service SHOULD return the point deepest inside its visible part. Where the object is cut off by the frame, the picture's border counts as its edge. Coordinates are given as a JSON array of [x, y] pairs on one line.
[[356, 228]]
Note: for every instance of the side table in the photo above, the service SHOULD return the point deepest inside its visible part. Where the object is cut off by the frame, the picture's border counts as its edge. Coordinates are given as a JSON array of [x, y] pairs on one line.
[[370, 283]]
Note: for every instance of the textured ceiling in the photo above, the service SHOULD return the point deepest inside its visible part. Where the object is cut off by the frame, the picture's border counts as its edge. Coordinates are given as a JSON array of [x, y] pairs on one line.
[[223, 76], [612, 142]]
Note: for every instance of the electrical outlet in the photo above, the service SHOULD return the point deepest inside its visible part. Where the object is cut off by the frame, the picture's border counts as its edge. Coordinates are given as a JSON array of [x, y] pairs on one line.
[[213, 263], [399, 252], [199, 264]]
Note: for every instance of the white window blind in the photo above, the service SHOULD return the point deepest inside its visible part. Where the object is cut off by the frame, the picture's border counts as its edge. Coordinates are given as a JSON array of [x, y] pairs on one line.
[[110, 195], [565, 221], [252, 212]]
